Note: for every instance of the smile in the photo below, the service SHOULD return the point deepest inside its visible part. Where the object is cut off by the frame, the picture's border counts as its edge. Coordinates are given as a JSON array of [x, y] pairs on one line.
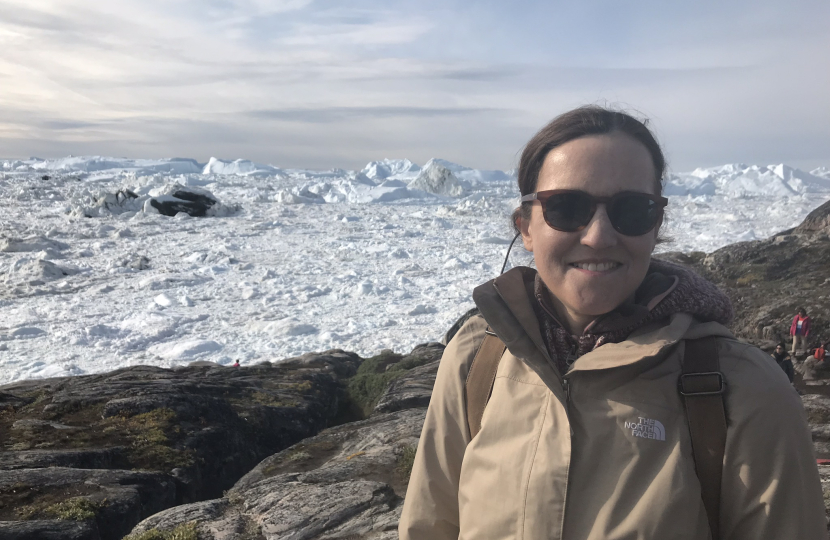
[[597, 267]]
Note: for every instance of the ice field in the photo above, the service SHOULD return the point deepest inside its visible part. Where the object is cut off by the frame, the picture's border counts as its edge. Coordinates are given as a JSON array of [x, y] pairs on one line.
[[291, 261]]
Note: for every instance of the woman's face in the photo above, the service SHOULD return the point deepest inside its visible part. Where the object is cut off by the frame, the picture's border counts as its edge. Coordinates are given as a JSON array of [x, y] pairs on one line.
[[592, 271]]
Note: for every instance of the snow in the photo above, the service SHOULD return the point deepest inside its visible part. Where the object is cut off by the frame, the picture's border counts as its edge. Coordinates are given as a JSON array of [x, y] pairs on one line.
[[299, 261]]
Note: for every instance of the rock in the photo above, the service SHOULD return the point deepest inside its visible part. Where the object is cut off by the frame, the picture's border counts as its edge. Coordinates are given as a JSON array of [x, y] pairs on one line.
[[147, 438], [112, 499], [48, 530], [192, 201], [816, 221], [414, 388], [768, 280], [346, 482]]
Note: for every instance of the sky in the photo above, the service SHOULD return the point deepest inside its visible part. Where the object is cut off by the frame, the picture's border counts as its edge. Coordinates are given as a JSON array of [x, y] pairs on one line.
[[321, 84]]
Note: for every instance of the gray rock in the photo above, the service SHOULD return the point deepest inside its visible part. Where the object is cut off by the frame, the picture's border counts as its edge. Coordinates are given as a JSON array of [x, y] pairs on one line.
[[48, 530], [195, 430], [411, 390], [121, 498], [346, 482]]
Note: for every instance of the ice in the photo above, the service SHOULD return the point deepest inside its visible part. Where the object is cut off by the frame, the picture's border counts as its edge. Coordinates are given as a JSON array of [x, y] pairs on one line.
[[308, 261], [437, 179], [187, 349], [380, 170], [239, 167]]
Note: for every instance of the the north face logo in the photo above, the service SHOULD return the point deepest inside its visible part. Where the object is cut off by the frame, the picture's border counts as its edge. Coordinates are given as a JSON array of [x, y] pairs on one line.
[[647, 429]]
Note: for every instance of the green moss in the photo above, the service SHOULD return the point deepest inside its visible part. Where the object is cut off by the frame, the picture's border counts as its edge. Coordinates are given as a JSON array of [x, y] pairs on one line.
[[152, 438], [300, 455], [77, 509], [74, 509], [364, 390], [750, 278], [272, 401], [379, 363], [39, 398], [302, 387], [373, 377], [185, 531], [405, 461]]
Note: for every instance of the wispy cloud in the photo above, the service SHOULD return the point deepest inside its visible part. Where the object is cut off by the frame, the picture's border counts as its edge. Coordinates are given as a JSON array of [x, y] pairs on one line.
[[349, 83]]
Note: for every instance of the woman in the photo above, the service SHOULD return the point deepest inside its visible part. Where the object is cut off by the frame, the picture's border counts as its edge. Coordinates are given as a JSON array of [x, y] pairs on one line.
[[584, 435], [799, 330]]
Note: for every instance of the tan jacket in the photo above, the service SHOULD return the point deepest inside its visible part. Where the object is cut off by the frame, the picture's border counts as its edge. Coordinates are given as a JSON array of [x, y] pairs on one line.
[[610, 458]]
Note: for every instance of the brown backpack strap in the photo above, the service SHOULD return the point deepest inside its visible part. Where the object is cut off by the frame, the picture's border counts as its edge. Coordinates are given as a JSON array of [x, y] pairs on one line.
[[702, 386], [480, 379]]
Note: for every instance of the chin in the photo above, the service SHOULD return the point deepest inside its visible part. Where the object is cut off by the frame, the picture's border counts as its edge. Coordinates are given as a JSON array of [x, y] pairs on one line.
[[598, 307]]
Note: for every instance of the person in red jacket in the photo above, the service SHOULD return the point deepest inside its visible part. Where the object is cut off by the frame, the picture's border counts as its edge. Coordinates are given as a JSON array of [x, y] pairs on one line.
[[799, 330], [821, 351]]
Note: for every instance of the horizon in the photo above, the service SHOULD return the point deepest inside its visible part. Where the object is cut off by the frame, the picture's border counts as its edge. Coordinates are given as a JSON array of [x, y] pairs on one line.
[[310, 84], [202, 164]]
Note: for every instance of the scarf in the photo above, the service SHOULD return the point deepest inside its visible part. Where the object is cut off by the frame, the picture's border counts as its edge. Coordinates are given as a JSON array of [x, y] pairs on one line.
[[667, 289]]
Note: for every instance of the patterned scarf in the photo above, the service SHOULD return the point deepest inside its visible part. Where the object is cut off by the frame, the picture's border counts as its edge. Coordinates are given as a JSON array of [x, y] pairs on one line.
[[667, 289]]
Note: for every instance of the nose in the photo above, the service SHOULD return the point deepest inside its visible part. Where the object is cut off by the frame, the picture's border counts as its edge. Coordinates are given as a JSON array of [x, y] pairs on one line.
[[599, 233]]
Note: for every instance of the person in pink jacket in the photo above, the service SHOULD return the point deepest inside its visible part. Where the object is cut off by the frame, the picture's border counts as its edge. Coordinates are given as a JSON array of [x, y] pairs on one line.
[[799, 330]]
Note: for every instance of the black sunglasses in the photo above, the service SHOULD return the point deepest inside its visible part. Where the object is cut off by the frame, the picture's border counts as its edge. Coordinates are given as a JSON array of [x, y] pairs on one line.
[[569, 210]]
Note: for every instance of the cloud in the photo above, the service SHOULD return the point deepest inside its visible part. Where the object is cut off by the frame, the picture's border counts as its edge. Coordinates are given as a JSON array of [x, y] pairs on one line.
[[336, 114], [332, 82]]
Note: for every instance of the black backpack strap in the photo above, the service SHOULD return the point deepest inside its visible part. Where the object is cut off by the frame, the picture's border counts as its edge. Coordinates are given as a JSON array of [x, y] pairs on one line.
[[480, 379], [702, 386]]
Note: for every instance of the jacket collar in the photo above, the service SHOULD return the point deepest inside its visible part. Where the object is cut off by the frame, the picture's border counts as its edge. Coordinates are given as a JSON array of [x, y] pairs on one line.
[[505, 303]]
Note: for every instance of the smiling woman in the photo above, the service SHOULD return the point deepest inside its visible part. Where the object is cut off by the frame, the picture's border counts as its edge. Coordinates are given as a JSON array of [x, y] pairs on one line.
[[589, 363]]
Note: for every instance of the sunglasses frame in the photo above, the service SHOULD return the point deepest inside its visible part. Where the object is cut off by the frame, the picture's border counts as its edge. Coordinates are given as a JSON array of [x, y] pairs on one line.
[[543, 196]]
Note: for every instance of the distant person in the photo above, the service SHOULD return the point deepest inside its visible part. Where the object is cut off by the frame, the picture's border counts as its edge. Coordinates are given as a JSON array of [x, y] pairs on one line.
[[821, 351], [782, 358], [557, 412], [799, 330], [236, 363]]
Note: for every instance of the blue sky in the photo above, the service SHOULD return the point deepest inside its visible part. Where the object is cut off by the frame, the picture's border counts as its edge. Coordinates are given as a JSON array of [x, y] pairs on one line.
[[303, 83]]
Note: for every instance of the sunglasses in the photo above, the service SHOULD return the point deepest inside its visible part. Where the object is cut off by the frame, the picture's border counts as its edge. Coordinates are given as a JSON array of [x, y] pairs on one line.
[[631, 213]]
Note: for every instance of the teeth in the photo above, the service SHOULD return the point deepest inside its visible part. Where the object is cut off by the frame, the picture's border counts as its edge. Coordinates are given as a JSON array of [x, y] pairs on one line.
[[594, 267]]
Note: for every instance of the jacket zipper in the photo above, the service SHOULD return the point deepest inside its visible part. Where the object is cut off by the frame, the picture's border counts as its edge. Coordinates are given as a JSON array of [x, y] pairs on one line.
[[566, 384]]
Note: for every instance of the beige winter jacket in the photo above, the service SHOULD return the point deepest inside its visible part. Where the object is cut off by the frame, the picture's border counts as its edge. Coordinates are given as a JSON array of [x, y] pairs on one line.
[[610, 458]]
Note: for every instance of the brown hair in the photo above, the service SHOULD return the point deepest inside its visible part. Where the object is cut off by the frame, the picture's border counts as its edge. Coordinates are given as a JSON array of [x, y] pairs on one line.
[[581, 122]]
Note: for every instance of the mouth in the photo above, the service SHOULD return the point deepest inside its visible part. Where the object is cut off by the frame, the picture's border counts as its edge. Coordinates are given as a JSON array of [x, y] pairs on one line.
[[598, 267]]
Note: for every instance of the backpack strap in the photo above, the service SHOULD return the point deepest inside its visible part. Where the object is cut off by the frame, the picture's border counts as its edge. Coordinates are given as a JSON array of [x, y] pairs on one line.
[[480, 379], [702, 386]]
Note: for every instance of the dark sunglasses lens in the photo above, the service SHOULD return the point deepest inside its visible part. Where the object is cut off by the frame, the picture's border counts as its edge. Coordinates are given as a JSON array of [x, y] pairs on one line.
[[568, 211], [633, 215]]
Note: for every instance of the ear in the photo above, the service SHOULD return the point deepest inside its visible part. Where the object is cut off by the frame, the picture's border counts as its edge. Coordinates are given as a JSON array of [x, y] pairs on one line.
[[524, 227]]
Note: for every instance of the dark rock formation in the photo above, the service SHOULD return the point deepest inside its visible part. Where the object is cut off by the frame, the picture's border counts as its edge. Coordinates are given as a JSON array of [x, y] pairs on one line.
[[109, 450], [768, 280], [187, 201], [816, 221], [346, 482]]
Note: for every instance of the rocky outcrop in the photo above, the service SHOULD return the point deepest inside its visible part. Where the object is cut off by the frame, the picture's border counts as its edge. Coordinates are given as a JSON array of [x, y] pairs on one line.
[[346, 482], [816, 221], [768, 280], [110, 450]]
